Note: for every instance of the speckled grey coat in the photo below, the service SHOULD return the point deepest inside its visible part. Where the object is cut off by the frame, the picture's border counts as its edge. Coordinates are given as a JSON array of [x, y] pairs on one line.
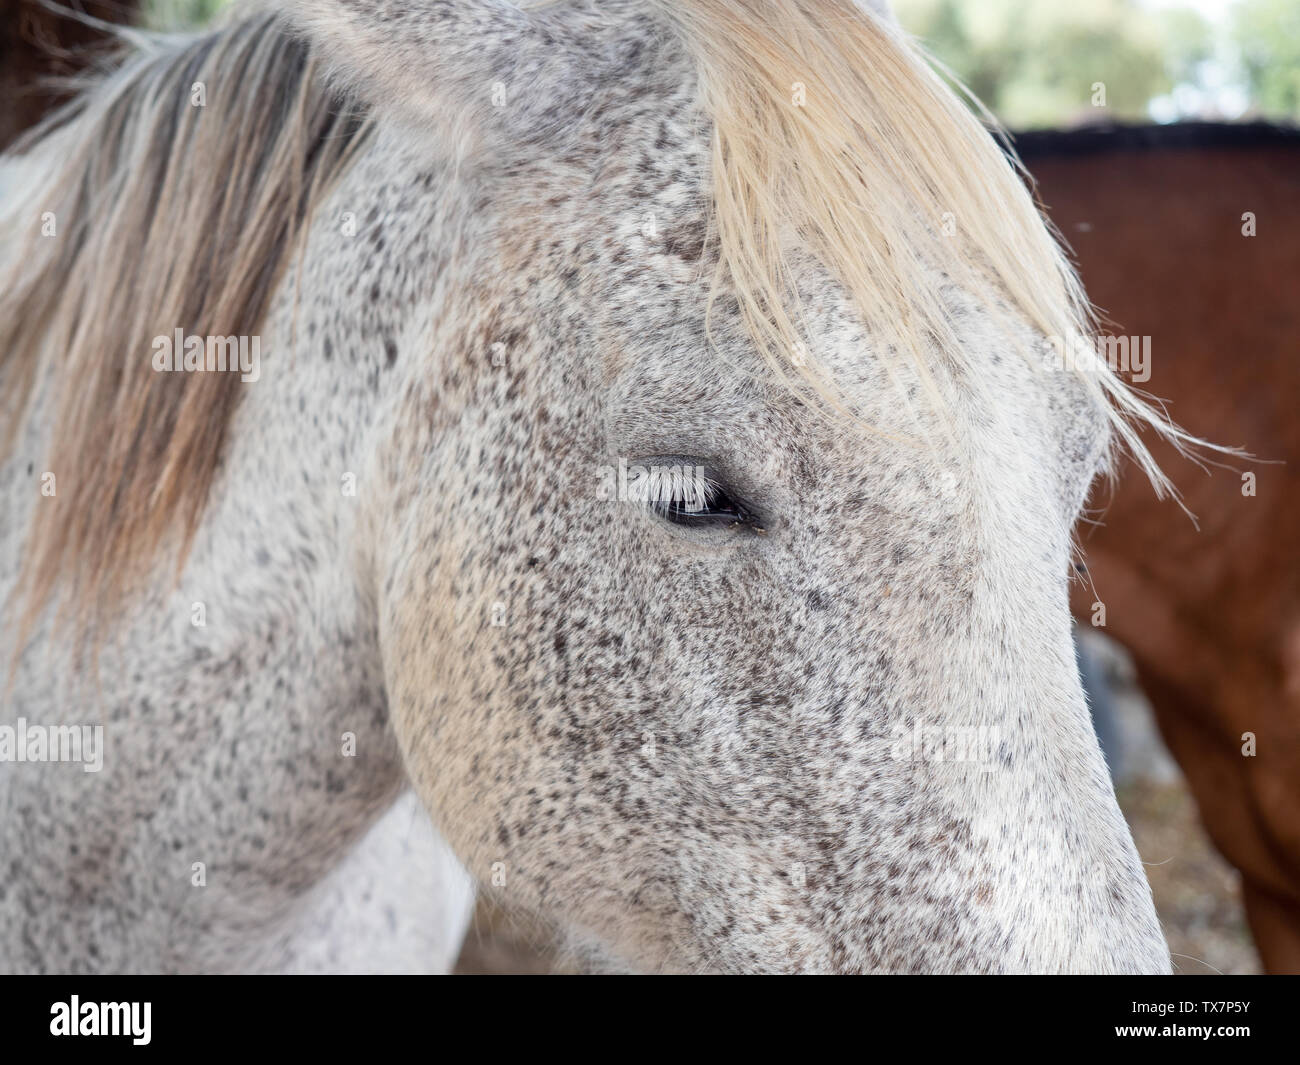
[[681, 745]]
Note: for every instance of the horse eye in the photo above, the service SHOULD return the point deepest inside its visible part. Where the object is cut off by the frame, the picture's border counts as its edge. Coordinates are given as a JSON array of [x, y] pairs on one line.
[[691, 495]]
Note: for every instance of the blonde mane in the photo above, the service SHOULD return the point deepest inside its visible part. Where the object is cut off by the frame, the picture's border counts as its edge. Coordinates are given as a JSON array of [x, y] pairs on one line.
[[828, 124]]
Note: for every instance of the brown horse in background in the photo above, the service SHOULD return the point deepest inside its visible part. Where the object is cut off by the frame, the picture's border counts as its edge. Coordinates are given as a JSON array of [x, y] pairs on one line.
[[1211, 616]]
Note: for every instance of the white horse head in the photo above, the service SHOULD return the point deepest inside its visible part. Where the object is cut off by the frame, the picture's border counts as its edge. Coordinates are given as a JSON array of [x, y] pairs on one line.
[[711, 526]]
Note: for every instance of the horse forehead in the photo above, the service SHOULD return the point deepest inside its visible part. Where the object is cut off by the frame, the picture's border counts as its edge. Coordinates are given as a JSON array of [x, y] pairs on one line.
[[665, 363]]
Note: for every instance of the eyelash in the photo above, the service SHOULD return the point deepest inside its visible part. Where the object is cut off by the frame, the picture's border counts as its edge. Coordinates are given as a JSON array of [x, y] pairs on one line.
[[698, 500]]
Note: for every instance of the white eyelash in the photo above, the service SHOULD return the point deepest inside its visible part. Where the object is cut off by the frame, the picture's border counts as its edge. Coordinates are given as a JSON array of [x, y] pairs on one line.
[[689, 487]]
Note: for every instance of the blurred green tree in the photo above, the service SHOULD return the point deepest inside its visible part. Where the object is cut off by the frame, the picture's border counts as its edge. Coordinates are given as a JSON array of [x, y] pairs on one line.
[[1268, 34], [180, 14], [1036, 62], [1188, 43]]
